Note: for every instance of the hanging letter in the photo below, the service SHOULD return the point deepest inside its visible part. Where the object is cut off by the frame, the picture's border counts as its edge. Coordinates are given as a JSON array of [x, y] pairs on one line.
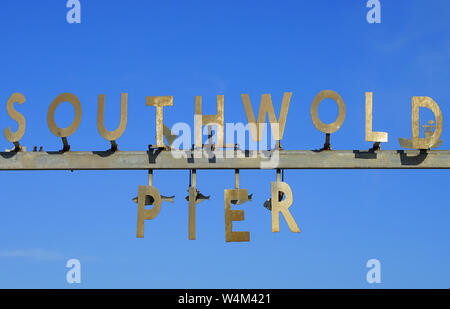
[[147, 214], [282, 206], [240, 195]]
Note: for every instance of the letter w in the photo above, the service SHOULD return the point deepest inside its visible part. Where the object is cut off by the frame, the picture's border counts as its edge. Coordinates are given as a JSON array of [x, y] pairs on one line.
[[266, 107]]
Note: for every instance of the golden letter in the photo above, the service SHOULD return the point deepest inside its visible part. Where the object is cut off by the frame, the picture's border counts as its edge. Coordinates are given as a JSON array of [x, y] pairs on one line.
[[427, 142], [266, 107], [240, 195], [282, 206], [332, 127], [370, 135], [18, 117], [60, 132], [159, 102], [192, 202], [147, 214], [203, 120], [111, 135]]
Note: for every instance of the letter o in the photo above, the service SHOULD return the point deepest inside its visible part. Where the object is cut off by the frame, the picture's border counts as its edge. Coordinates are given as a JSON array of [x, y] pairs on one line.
[[64, 132], [332, 127]]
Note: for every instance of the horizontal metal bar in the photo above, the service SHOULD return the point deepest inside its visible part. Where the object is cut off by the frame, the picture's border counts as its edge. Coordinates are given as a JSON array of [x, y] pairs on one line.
[[231, 159]]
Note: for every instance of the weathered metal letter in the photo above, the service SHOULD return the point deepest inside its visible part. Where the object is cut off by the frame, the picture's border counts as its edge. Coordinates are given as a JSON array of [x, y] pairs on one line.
[[282, 206], [332, 127], [266, 107], [370, 135], [64, 132], [159, 102], [147, 214], [203, 120], [111, 135], [18, 117], [240, 195], [192, 204], [427, 142]]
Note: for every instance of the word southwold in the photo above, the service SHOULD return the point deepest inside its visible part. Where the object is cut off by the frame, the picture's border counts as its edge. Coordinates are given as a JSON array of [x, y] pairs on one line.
[[281, 194]]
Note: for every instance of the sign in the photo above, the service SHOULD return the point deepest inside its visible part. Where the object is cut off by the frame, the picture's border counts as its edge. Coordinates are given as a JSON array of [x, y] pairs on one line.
[[281, 194]]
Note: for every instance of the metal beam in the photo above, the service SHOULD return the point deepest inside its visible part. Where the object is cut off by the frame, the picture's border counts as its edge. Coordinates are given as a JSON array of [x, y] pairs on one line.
[[287, 159]]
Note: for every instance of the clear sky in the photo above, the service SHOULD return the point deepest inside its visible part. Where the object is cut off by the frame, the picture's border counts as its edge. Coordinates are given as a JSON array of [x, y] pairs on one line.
[[189, 48]]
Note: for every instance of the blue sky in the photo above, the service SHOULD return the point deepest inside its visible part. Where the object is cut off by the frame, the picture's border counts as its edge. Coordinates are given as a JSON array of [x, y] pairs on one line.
[[189, 48]]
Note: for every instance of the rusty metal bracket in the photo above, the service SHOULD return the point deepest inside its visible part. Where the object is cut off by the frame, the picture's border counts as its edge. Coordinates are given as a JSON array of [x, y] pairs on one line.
[[327, 145], [151, 148], [17, 147], [66, 146], [375, 147], [114, 147]]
